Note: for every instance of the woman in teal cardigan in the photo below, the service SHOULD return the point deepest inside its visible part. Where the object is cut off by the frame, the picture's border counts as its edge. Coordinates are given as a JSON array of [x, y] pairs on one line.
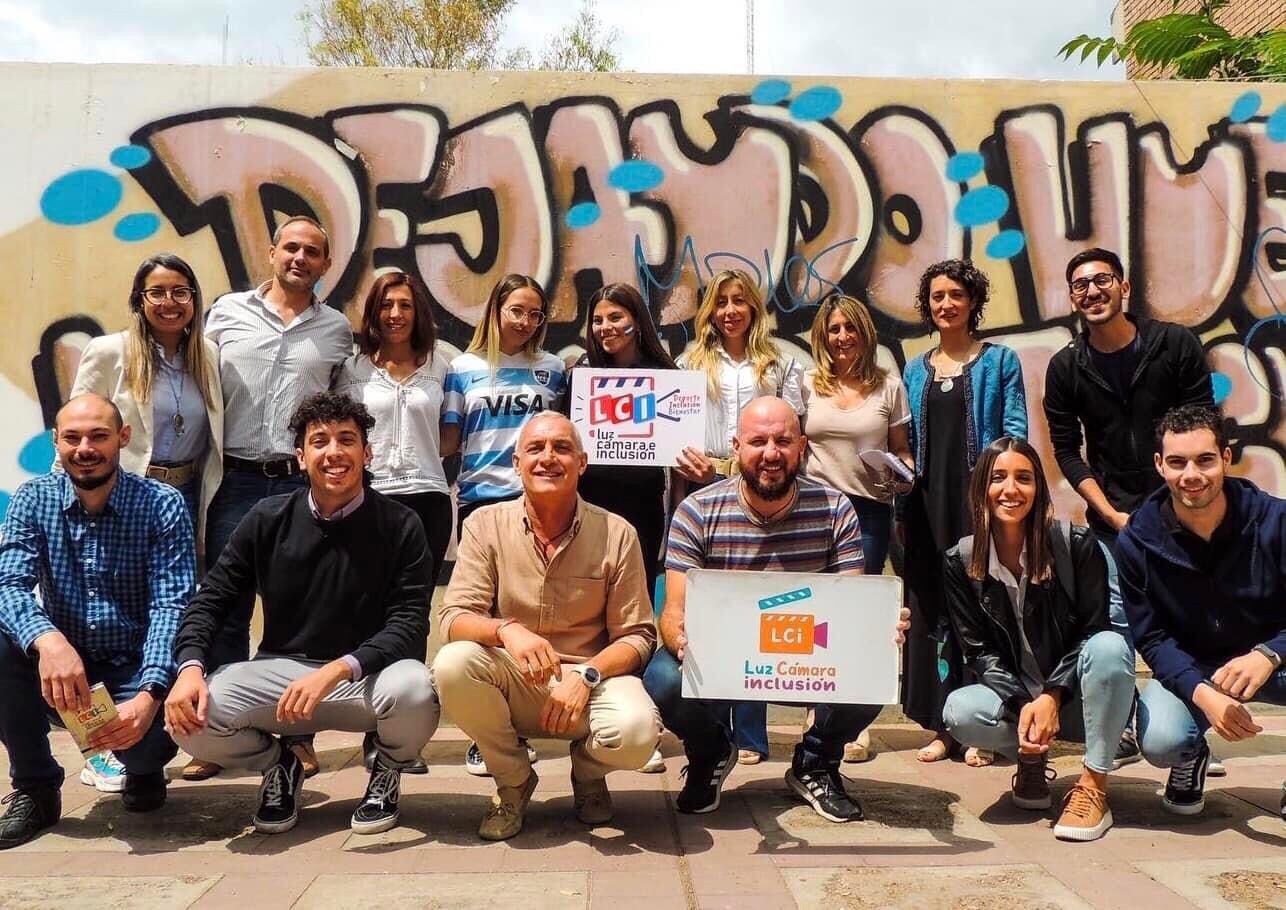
[[963, 394]]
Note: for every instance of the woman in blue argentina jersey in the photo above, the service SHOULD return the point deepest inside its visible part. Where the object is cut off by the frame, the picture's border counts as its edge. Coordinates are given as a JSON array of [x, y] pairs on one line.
[[494, 387]]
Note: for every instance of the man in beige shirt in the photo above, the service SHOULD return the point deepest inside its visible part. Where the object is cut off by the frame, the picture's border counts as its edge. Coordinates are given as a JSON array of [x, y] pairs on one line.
[[548, 622]]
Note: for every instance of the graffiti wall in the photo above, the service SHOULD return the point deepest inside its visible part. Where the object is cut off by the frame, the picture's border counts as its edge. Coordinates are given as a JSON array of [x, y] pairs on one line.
[[809, 184]]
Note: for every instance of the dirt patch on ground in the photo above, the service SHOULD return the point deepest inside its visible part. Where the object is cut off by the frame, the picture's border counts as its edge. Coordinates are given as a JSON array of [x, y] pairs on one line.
[[1252, 890], [867, 889]]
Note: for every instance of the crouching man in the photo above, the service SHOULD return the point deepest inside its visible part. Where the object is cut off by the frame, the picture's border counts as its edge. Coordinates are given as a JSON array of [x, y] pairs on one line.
[[341, 571], [548, 623]]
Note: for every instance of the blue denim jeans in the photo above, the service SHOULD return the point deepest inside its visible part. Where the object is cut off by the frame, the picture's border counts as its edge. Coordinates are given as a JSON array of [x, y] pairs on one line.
[[875, 521], [237, 495], [1172, 730], [703, 724], [25, 719], [1096, 715]]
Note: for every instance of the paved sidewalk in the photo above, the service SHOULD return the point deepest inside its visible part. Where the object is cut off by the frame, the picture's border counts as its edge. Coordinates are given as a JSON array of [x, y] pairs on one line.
[[938, 836]]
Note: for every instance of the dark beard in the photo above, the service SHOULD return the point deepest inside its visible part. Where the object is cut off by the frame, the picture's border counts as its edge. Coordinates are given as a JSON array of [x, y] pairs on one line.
[[90, 483], [773, 492]]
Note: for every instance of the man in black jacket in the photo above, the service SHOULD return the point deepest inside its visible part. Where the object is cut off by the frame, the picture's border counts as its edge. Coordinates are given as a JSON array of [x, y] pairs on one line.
[[341, 571], [1117, 378]]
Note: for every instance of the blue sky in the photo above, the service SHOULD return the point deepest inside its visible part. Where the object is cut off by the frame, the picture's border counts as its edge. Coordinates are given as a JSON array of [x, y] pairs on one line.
[[909, 38]]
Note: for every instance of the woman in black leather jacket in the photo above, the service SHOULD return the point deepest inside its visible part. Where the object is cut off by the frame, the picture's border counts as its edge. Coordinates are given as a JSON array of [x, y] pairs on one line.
[[1028, 601]]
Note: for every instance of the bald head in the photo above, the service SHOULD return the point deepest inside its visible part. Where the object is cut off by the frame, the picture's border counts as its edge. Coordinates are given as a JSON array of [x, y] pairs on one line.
[[769, 446], [549, 458], [90, 405], [550, 422], [767, 410]]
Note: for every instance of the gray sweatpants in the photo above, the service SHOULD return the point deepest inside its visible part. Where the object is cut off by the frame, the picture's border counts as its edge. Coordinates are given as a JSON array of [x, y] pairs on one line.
[[398, 703]]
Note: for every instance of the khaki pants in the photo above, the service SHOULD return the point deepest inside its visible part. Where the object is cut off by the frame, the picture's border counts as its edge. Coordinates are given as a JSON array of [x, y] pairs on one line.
[[488, 697]]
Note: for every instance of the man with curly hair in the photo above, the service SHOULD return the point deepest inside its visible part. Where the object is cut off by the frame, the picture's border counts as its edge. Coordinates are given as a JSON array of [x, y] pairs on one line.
[[341, 570]]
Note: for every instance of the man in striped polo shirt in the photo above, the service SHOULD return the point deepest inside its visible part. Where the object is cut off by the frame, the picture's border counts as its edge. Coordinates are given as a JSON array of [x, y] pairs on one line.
[[766, 518]]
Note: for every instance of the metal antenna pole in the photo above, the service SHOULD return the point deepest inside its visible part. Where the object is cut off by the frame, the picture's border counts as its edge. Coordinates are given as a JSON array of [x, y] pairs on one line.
[[750, 36]]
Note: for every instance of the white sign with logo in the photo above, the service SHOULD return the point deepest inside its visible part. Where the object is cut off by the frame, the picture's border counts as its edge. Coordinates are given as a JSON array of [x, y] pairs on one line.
[[638, 417], [792, 637]]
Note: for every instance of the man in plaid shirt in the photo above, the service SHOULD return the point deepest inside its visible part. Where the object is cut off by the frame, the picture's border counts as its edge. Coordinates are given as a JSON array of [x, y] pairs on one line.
[[113, 555]]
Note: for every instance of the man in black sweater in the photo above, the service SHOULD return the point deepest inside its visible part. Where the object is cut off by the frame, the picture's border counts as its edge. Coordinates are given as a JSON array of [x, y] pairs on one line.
[[341, 571]]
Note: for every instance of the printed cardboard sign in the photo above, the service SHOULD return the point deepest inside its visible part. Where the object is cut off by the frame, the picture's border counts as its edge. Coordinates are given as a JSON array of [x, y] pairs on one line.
[[638, 417], [792, 637]]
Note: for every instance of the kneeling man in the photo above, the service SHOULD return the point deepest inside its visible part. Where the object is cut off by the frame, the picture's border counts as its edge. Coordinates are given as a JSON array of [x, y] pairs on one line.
[[548, 623], [1203, 578], [341, 571]]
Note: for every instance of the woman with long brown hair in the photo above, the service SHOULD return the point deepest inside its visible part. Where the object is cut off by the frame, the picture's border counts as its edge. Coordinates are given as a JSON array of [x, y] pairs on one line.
[[1028, 598]]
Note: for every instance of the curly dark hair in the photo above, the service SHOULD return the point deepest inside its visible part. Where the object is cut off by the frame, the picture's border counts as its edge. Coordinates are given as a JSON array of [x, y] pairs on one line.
[[329, 407], [964, 273], [1189, 417]]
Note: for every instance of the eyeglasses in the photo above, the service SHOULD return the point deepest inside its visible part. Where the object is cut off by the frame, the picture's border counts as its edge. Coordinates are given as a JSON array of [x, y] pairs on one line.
[[518, 314], [178, 295], [1103, 280]]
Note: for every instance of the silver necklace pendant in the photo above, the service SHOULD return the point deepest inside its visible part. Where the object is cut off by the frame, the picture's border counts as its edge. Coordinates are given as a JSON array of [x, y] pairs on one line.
[[177, 423], [948, 384]]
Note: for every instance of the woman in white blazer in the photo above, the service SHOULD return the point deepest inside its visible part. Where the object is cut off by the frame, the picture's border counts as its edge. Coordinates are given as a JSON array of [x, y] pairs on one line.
[[163, 375]]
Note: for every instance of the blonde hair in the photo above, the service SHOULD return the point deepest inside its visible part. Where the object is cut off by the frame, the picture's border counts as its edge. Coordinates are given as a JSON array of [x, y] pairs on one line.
[[140, 364], [704, 355], [868, 374], [486, 334]]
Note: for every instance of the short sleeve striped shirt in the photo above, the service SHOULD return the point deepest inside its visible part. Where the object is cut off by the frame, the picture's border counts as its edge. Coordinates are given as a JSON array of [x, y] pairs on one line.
[[491, 406], [711, 530]]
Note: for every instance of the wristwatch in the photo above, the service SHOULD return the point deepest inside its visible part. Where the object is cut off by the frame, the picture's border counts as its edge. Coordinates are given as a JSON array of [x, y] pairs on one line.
[[156, 690], [1270, 654], [590, 674]]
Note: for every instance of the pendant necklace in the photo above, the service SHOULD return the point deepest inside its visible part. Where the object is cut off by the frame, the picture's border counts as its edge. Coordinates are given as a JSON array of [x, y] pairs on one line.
[[177, 420]]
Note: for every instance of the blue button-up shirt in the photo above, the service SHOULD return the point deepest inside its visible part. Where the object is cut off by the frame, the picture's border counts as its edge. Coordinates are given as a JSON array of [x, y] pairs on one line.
[[115, 584]]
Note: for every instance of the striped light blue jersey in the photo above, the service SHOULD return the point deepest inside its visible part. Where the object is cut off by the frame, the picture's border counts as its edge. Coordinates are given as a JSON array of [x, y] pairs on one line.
[[491, 406]]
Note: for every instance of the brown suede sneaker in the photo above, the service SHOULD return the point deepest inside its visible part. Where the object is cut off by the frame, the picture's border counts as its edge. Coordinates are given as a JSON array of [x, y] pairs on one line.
[[1086, 815], [593, 801], [200, 770], [508, 810], [307, 757], [1030, 785]]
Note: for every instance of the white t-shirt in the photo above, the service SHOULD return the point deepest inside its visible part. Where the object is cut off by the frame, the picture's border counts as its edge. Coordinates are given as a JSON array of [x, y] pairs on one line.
[[836, 435], [405, 442], [737, 388]]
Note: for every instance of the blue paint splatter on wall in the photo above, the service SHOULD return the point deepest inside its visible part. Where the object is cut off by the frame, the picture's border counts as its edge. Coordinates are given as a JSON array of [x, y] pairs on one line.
[[1006, 244], [79, 197], [770, 91], [635, 176], [37, 454], [1222, 386], [964, 165], [981, 206], [1245, 107], [1277, 125], [4, 504], [138, 226], [816, 103], [130, 156], [583, 214]]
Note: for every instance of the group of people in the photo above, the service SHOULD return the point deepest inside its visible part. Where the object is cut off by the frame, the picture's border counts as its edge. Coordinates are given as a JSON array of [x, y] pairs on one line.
[[254, 451]]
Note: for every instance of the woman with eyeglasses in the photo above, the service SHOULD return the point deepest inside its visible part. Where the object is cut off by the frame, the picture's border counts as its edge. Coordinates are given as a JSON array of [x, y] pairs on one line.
[[963, 393], [400, 375], [163, 375], [732, 344], [1028, 598]]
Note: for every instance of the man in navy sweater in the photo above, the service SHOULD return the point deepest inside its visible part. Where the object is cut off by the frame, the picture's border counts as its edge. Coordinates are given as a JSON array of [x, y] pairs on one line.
[[341, 571], [1203, 576]]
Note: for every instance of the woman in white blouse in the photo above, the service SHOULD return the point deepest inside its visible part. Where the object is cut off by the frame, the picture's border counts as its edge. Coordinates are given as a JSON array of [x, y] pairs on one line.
[[399, 376]]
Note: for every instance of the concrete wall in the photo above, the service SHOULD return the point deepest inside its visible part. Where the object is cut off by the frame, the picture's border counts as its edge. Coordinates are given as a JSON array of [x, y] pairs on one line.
[[579, 180]]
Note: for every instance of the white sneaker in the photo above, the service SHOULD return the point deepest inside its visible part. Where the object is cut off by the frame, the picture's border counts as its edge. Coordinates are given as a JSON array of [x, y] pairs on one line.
[[655, 764], [477, 766], [104, 773]]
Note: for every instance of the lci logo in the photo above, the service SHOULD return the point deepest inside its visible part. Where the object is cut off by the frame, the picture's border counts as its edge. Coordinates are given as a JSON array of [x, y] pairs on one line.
[[636, 405], [790, 633]]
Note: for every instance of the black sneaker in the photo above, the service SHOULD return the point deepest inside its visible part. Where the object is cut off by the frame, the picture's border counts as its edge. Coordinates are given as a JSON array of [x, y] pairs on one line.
[[368, 758], [143, 792], [823, 789], [475, 765], [378, 809], [1185, 791], [278, 810], [1127, 750], [29, 813], [703, 781]]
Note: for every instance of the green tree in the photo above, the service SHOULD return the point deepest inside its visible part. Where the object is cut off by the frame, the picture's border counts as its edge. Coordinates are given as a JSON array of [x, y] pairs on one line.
[[443, 34], [1191, 46]]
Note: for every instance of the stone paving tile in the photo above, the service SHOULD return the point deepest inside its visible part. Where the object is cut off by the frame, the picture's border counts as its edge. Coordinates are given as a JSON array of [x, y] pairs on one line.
[[88, 892], [932, 888], [531, 891], [1221, 884]]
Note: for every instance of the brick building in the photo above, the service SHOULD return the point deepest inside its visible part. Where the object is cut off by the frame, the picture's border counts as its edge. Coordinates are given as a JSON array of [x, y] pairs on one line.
[[1240, 17]]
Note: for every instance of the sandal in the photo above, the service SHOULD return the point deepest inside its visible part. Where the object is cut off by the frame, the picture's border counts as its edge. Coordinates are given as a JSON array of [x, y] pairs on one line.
[[937, 750], [979, 758]]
